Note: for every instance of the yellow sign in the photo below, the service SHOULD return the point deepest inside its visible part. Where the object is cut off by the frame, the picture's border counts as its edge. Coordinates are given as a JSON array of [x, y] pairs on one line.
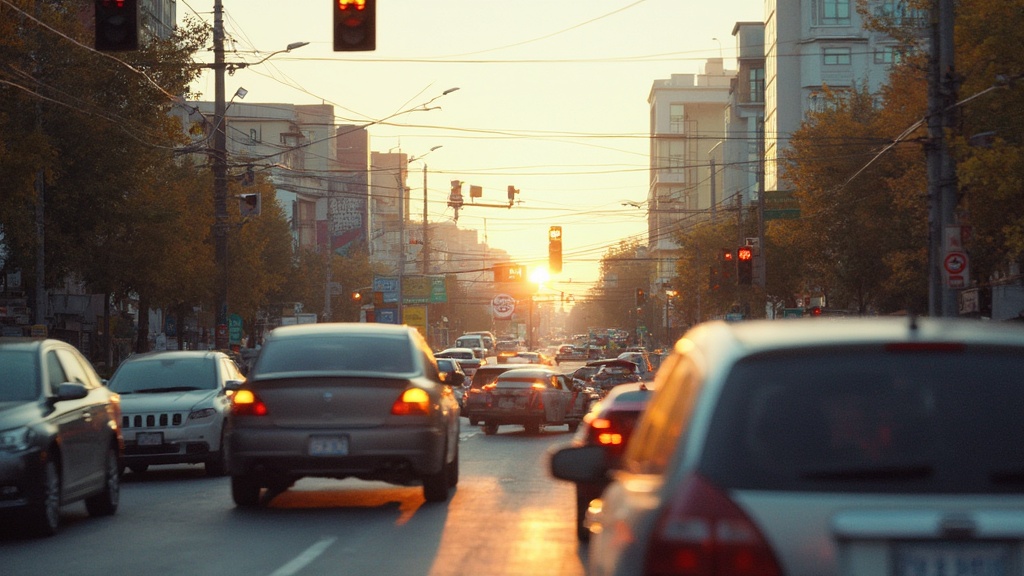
[[416, 316]]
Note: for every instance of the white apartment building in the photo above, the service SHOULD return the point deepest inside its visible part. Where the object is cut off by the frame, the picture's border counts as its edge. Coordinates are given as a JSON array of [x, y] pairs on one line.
[[687, 127]]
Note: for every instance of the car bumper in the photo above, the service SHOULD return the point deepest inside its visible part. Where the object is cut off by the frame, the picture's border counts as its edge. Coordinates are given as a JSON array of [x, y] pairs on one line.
[[397, 455], [496, 416], [192, 443], [20, 478]]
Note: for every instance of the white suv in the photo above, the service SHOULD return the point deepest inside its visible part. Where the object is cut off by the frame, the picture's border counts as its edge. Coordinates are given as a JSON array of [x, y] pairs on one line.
[[173, 406]]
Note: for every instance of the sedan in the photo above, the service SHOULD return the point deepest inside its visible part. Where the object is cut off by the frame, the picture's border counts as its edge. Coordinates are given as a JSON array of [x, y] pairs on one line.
[[60, 434], [174, 405], [809, 447], [467, 358], [531, 398], [340, 400]]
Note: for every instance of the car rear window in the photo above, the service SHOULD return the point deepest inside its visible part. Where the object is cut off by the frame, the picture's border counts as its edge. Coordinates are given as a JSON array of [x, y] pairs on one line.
[[913, 421], [337, 353]]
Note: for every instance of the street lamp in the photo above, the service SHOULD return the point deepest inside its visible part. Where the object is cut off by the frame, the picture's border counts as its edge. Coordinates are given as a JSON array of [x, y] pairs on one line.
[[220, 168]]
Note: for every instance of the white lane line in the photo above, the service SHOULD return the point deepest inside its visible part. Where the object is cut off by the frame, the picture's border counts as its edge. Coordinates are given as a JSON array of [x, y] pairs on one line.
[[302, 560]]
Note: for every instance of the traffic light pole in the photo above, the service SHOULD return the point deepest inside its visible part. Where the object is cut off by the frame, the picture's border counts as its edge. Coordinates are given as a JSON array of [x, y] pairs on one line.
[[220, 182]]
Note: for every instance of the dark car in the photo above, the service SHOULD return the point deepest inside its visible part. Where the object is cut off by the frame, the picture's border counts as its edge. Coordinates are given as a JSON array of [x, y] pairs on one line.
[[606, 374], [609, 425], [532, 398], [880, 445], [340, 400], [60, 434], [454, 376], [174, 405], [474, 398]]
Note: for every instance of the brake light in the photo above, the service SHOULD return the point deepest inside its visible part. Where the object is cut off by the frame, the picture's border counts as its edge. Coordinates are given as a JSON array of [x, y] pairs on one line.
[[247, 403], [414, 401], [490, 386], [538, 386], [703, 532]]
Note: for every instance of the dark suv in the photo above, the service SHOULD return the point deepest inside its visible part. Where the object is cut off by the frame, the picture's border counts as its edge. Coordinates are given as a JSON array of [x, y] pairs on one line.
[[820, 446]]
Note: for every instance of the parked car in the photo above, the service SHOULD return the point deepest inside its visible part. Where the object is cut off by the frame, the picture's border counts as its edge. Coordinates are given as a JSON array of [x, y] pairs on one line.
[[467, 357], [475, 397], [454, 376], [339, 400], [174, 405], [532, 398], [60, 435], [608, 424], [843, 446]]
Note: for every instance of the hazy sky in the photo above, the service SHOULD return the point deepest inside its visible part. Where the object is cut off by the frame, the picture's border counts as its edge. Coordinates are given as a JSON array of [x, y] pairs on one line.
[[552, 99]]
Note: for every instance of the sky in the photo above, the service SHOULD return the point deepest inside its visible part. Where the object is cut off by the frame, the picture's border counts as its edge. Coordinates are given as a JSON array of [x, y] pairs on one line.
[[552, 99]]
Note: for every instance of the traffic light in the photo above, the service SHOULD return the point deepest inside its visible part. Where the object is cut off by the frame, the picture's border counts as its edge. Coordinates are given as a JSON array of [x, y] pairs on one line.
[[728, 265], [508, 272], [512, 191], [117, 25], [641, 297], [555, 249], [455, 198], [355, 25], [745, 265]]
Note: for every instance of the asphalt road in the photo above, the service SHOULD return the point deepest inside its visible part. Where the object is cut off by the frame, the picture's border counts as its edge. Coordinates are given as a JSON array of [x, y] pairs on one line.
[[506, 517]]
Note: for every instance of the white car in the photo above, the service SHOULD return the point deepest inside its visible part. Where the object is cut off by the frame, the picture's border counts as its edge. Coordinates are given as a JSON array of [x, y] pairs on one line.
[[173, 406]]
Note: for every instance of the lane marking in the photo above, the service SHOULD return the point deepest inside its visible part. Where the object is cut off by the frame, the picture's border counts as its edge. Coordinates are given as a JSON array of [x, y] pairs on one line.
[[302, 560]]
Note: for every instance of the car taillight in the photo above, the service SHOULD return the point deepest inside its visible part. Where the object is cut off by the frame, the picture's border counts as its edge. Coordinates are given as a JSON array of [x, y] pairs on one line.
[[247, 403], [414, 401], [703, 532], [603, 432]]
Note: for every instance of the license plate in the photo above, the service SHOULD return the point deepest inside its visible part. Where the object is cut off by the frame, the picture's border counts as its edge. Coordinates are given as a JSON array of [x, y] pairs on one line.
[[953, 559], [507, 403], [149, 438], [328, 446]]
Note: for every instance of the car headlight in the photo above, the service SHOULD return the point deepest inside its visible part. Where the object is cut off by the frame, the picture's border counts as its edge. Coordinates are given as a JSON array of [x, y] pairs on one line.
[[16, 440], [202, 413]]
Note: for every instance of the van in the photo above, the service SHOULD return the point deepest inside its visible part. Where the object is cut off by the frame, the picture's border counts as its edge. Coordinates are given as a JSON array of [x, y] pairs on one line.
[[474, 341], [490, 342]]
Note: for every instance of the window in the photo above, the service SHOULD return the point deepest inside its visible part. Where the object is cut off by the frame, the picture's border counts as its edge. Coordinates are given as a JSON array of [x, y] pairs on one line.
[[756, 79], [672, 156], [886, 55], [837, 56], [676, 119], [831, 12]]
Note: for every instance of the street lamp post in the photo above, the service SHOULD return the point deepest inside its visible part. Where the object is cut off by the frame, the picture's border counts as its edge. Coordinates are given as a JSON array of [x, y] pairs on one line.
[[220, 169], [401, 226]]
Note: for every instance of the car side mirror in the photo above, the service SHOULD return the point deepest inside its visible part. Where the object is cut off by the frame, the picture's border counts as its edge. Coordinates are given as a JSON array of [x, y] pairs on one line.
[[579, 464], [71, 391], [233, 385]]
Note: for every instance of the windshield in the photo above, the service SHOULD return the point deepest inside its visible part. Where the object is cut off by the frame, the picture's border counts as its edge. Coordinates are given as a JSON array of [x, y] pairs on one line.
[[165, 375], [936, 422]]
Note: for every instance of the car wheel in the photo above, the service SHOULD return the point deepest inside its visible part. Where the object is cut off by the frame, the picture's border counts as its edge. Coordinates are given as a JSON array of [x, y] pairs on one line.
[[474, 421], [43, 516], [245, 491], [532, 428], [139, 468], [435, 486], [573, 426], [490, 429], [105, 503]]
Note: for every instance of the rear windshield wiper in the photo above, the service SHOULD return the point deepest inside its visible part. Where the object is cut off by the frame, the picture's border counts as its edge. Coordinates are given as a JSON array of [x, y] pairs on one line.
[[882, 472]]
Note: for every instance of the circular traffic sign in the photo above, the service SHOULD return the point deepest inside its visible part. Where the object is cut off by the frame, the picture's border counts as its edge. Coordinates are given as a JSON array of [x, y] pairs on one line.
[[955, 262]]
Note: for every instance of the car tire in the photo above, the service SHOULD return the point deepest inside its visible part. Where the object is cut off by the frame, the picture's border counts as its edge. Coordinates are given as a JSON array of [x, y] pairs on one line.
[[245, 491], [490, 429], [139, 468], [435, 486], [582, 503], [453, 470], [105, 503], [573, 426], [532, 428], [474, 421], [42, 517]]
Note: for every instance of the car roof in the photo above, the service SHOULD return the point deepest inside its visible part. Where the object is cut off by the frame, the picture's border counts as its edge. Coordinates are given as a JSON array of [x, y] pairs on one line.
[[616, 362], [173, 355], [459, 350], [755, 336], [336, 328]]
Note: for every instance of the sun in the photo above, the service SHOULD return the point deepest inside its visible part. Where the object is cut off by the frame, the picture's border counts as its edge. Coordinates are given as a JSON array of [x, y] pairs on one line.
[[539, 275]]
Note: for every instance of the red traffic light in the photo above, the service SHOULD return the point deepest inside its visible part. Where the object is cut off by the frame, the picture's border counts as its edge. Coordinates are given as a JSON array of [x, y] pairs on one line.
[[117, 25], [355, 25], [745, 253], [727, 255]]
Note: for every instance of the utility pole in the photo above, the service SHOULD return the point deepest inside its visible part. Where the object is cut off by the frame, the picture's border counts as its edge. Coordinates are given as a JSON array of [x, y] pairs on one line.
[[220, 182], [426, 227], [942, 194]]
